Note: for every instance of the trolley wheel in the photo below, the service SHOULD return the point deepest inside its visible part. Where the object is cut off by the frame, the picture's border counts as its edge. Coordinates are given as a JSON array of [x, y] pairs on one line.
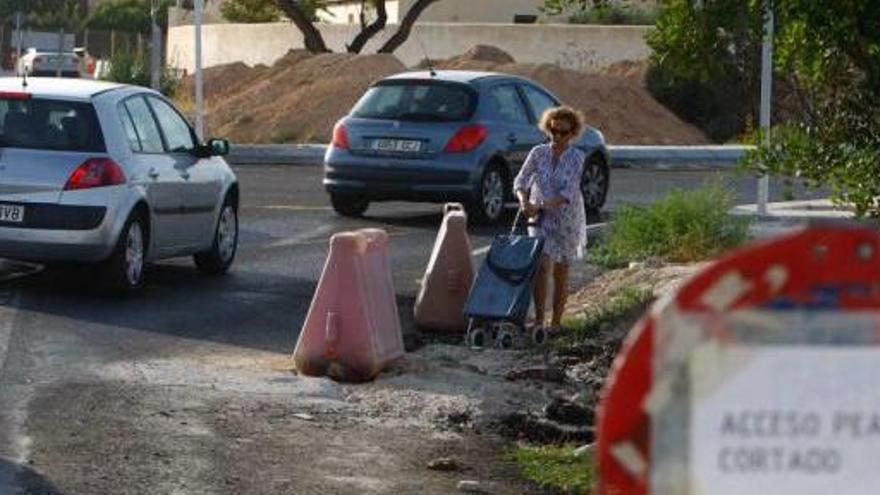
[[478, 338], [539, 335], [505, 339]]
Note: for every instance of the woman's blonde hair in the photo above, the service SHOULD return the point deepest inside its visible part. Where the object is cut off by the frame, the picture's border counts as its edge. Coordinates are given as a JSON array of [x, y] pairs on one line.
[[574, 118]]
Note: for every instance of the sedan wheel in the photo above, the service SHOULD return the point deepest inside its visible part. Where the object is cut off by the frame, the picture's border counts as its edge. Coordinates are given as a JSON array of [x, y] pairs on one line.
[[134, 255], [124, 270], [594, 184], [219, 258], [349, 205], [489, 206], [227, 234]]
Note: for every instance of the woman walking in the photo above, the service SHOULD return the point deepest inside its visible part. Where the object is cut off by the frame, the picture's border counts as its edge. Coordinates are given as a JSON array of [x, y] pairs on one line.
[[548, 189]]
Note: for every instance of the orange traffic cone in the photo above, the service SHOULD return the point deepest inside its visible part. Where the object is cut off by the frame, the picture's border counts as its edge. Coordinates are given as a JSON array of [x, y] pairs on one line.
[[448, 278], [352, 330]]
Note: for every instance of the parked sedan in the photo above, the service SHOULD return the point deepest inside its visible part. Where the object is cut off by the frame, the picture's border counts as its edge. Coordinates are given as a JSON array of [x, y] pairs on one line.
[[39, 63], [110, 174], [438, 136]]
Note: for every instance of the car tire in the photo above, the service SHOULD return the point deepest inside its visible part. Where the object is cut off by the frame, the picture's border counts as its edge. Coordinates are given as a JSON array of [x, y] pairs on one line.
[[487, 208], [123, 272], [219, 258], [594, 183], [349, 205]]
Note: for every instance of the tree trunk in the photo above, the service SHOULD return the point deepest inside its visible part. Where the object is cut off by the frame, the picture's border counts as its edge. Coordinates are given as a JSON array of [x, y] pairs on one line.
[[369, 31], [312, 38], [406, 25]]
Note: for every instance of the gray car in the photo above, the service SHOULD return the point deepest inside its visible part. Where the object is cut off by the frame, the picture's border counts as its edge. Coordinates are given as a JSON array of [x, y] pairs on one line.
[[438, 136], [111, 174]]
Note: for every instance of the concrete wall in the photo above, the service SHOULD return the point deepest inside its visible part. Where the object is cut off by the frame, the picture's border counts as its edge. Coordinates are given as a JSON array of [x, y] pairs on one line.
[[569, 46], [482, 11]]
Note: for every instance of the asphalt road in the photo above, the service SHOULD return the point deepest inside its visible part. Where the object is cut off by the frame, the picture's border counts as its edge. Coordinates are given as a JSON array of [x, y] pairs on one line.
[[87, 383]]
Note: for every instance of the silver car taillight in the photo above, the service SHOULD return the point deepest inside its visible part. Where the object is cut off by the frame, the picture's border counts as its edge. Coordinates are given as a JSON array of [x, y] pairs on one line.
[[95, 172]]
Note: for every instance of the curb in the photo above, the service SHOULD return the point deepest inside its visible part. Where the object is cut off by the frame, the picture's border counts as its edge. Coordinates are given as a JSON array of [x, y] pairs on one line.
[[669, 157], [785, 216], [651, 157], [277, 154]]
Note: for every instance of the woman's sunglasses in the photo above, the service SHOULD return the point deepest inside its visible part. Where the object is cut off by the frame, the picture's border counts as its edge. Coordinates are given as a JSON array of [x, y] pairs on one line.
[[559, 132]]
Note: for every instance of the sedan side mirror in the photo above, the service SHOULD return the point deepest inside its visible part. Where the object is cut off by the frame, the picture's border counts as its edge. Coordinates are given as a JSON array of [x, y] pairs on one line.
[[214, 147], [218, 147]]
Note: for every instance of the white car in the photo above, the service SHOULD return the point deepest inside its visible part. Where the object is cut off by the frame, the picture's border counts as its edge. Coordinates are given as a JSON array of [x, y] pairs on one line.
[[110, 174], [39, 63]]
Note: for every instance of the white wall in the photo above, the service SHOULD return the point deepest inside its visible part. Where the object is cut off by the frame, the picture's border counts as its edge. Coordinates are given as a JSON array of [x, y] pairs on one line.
[[569, 46], [483, 11]]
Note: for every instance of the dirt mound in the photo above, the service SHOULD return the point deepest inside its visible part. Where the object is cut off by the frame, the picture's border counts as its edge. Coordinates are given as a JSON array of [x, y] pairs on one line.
[[630, 69], [301, 96], [298, 99], [486, 53]]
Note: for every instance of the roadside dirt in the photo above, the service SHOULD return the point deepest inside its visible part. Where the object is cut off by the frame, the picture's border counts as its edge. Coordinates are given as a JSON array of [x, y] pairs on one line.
[[300, 97], [246, 423]]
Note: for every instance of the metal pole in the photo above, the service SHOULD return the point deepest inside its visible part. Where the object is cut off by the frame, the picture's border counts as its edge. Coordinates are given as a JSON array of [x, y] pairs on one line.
[[766, 97], [59, 59], [155, 47], [18, 41], [200, 103]]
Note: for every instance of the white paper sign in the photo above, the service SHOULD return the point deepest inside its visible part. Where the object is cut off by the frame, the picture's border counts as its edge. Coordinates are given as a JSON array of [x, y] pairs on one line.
[[785, 420]]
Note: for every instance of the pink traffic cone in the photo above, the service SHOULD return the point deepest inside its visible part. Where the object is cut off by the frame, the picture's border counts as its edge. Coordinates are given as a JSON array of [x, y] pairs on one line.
[[448, 277], [352, 330]]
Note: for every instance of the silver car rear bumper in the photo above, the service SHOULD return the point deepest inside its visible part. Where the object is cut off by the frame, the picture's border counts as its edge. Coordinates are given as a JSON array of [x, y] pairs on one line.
[[60, 233], [55, 245]]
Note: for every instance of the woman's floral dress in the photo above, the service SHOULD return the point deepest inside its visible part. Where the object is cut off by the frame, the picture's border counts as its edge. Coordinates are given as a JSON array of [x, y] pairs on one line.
[[544, 177]]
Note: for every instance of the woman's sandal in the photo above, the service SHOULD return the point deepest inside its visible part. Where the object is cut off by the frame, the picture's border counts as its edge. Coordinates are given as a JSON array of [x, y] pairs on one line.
[[553, 331]]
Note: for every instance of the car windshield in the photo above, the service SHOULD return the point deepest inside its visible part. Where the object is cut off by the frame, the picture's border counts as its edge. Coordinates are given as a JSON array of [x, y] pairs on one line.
[[416, 101], [50, 124]]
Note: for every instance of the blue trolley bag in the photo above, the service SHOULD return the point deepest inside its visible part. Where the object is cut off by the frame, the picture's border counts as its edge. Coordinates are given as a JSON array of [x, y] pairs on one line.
[[503, 288]]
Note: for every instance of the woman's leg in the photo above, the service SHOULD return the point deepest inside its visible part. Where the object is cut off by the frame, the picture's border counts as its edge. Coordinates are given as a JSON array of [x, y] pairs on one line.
[[541, 289], [560, 292]]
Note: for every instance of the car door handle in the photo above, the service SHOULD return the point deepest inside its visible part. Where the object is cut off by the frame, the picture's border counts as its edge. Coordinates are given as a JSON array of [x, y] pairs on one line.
[[153, 174], [512, 137], [184, 175]]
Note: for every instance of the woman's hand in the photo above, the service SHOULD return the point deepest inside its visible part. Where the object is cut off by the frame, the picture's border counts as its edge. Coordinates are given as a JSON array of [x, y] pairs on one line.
[[555, 203], [530, 209]]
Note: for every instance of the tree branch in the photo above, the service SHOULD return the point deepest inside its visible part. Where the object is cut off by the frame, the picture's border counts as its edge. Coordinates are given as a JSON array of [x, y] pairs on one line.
[[373, 29], [312, 38], [406, 25]]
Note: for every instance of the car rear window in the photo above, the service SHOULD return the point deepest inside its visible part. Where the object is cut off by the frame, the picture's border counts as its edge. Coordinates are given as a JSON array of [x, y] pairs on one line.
[[50, 124], [417, 101]]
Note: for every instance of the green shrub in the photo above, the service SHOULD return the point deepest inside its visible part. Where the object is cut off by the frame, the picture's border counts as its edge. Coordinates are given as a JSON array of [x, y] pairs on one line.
[[832, 52], [129, 67], [613, 14], [554, 467], [684, 226], [705, 63]]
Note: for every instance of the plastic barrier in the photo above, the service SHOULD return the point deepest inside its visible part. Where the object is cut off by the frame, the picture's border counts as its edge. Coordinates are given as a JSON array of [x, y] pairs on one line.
[[352, 330], [831, 270], [448, 277]]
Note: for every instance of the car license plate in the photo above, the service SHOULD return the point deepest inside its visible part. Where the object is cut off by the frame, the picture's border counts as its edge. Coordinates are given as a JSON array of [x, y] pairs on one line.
[[397, 145], [12, 213]]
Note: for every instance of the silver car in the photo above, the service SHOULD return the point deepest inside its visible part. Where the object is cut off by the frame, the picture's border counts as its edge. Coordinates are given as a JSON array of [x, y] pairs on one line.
[[110, 174]]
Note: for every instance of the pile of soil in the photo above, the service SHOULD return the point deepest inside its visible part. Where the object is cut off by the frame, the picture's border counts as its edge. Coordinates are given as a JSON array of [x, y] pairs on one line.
[[300, 97]]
